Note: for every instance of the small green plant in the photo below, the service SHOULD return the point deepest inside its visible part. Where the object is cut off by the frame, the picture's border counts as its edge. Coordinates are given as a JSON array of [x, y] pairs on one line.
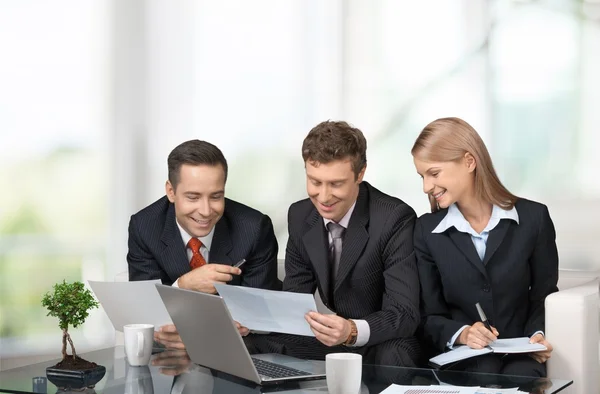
[[70, 302]]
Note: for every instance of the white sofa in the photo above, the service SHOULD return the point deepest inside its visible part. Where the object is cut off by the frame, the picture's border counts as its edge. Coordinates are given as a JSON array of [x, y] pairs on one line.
[[572, 327]]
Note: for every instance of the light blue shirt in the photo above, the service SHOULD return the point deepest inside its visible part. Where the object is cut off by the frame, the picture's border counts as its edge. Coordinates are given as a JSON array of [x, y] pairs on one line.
[[454, 218]]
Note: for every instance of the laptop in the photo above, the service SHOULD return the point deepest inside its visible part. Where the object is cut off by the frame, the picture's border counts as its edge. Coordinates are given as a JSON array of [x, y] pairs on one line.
[[212, 340]]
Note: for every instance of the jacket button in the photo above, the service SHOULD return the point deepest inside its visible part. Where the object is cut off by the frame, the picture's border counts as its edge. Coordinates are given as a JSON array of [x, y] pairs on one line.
[[486, 288]]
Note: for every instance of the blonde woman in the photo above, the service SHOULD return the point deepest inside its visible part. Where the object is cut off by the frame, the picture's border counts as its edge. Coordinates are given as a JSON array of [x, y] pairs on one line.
[[481, 244]]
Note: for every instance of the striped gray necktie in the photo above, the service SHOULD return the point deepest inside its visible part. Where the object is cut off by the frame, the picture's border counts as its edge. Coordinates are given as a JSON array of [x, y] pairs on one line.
[[335, 249]]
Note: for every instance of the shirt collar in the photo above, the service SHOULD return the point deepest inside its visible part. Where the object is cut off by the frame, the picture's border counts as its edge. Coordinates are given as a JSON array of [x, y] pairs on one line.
[[345, 220], [206, 240], [454, 218]]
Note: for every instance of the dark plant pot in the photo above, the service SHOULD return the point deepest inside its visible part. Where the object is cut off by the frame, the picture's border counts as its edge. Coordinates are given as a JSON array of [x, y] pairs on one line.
[[67, 379]]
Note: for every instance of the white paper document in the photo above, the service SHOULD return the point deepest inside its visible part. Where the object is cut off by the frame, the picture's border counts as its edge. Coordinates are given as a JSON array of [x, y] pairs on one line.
[[516, 345], [457, 354], [268, 310], [398, 389], [433, 389], [131, 303]]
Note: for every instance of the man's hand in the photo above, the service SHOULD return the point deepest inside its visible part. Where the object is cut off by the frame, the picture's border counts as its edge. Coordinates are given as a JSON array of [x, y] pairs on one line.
[[543, 355], [330, 330], [243, 330], [203, 278], [477, 336], [169, 337], [172, 362]]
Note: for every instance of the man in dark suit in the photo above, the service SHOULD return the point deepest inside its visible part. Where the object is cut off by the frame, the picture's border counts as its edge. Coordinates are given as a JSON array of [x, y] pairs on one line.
[[193, 237], [354, 244]]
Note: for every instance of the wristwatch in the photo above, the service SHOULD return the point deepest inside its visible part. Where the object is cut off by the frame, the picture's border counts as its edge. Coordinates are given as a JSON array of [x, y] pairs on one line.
[[351, 340]]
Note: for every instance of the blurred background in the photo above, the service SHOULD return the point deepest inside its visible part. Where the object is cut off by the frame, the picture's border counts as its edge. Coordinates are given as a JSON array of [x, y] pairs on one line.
[[94, 94]]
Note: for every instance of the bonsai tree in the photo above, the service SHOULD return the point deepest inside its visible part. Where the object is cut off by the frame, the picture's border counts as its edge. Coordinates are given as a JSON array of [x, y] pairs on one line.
[[70, 302]]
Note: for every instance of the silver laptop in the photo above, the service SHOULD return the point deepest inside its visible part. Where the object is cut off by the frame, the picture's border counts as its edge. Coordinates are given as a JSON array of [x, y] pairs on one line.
[[212, 340]]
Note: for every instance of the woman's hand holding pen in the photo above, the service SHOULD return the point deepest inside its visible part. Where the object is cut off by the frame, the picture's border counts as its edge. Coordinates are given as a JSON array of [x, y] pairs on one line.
[[477, 336], [544, 355]]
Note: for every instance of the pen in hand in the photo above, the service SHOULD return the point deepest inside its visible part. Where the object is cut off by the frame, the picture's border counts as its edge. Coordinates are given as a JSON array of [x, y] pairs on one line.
[[483, 317], [240, 263]]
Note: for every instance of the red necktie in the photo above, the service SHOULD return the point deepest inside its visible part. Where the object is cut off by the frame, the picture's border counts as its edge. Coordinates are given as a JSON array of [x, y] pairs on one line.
[[197, 260]]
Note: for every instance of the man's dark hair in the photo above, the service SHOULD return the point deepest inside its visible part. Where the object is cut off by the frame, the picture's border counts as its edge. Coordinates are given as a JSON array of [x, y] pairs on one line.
[[335, 140], [195, 153]]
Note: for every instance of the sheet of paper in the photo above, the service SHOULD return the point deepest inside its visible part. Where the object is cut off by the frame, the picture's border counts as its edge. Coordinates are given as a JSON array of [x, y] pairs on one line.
[[321, 308], [485, 390], [268, 310], [516, 345], [433, 389], [131, 303], [457, 354]]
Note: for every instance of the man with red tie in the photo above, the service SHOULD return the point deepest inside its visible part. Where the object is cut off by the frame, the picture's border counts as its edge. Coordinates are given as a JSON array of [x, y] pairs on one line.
[[193, 236]]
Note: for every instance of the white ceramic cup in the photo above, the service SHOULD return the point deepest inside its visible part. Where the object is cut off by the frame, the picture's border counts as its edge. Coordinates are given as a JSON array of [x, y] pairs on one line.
[[138, 343], [344, 373]]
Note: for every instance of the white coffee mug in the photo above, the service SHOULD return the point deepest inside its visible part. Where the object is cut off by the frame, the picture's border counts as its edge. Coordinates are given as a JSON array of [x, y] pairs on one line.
[[343, 372], [138, 343]]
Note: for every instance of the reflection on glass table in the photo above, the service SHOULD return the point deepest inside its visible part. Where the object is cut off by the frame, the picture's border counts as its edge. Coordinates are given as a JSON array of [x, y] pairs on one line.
[[173, 372]]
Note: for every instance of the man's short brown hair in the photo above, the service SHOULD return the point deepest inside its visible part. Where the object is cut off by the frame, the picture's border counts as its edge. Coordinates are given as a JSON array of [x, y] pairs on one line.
[[336, 140], [194, 153]]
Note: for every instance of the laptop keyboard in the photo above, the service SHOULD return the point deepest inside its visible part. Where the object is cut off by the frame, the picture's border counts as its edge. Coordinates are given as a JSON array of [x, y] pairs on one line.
[[271, 370]]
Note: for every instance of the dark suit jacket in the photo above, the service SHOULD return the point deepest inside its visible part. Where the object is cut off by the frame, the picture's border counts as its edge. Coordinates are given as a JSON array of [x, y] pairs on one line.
[[156, 249], [377, 278], [520, 268]]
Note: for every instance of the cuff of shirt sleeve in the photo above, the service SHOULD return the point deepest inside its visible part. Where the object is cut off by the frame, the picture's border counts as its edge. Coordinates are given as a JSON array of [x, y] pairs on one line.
[[364, 332], [176, 284], [452, 340], [538, 332]]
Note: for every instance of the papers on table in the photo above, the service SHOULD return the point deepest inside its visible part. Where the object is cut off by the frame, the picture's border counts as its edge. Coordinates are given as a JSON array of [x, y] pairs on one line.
[[131, 303], [268, 310], [398, 389], [433, 389], [511, 345]]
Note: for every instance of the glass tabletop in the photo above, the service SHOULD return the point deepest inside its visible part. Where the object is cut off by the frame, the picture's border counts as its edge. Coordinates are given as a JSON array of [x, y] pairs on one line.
[[173, 372]]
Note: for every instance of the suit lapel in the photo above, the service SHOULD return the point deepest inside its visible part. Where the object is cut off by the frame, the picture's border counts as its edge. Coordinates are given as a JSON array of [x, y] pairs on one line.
[[221, 244], [316, 245], [174, 254], [356, 237], [464, 243], [495, 239]]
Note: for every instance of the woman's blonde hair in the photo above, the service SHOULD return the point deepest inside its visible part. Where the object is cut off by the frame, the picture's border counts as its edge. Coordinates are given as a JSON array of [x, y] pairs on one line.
[[449, 139]]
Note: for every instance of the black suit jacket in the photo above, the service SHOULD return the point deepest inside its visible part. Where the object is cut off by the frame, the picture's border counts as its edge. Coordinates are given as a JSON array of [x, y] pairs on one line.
[[520, 268], [377, 278], [156, 249]]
